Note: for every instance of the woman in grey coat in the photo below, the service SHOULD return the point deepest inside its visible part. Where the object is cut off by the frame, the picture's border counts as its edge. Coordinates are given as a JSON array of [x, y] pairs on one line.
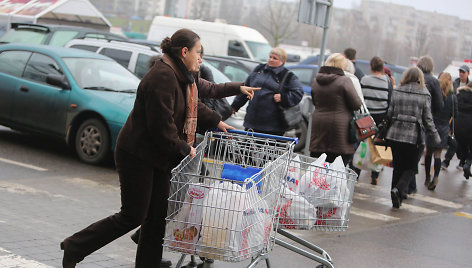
[[410, 114]]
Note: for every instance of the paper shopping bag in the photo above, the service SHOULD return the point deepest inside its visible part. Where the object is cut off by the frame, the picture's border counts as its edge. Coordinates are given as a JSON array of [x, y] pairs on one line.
[[380, 154]]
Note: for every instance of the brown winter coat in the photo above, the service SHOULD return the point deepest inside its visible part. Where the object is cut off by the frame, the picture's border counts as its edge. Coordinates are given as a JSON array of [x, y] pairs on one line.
[[335, 99], [154, 129]]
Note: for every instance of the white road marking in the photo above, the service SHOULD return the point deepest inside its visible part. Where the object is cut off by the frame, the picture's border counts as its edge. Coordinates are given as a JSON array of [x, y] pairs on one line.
[[388, 202], [7, 259], [22, 164], [371, 215], [424, 198]]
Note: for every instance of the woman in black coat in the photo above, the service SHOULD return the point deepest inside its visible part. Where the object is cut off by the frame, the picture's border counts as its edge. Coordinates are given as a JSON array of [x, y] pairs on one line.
[[463, 126]]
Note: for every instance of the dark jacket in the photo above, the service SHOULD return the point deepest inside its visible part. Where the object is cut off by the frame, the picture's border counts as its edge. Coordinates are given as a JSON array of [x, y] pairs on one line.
[[457, 82], [443, 117], [263, 112], [358, 73], [410, 112], [432, 84], [154, 129], [335, 99]]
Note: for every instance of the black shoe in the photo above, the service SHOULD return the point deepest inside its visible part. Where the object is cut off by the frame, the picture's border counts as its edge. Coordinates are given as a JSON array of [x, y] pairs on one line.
[[444, 165], [373, 181], [165, 263], [427, 181], [467, 170], [67, 261], [412, 191], [396, 198], [433, 184], [135, 236]]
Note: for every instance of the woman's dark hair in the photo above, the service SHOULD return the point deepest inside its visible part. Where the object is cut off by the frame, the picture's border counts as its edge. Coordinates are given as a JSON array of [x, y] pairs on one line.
[[180, 39]]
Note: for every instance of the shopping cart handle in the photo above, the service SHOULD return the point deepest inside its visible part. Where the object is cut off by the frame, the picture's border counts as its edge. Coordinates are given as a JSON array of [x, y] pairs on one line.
[[262, 135]]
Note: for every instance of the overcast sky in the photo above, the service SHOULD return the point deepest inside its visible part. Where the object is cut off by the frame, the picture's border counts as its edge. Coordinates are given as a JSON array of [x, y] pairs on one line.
[[460, 8]]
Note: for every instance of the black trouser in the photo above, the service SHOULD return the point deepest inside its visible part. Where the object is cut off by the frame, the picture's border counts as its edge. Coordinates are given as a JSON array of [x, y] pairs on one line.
[[405, 164], [144, 193]]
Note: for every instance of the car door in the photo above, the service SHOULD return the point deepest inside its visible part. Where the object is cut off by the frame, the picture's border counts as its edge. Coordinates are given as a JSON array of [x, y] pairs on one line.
[[12, 65], [39, 105]]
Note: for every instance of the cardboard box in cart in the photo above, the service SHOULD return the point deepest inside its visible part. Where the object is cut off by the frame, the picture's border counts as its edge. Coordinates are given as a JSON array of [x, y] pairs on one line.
[[219, 39]]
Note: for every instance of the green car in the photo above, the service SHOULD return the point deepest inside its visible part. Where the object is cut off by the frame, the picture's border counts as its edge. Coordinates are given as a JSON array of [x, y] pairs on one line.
[[79, 96]]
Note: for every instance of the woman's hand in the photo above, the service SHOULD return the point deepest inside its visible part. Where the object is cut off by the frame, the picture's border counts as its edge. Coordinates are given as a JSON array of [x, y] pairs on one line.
[[248, 91], [223, 126], [277, 97], [193, 152]]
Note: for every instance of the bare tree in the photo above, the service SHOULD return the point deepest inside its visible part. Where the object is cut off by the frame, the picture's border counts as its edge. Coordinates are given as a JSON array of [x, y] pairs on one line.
[[280, 22], [421, 42], [200, 8]]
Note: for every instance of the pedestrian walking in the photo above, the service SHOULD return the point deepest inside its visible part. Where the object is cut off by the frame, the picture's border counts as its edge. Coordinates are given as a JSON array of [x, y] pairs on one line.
[[158, 134], [441, 121], [463, 126], [335, 99], [410, 115], [377, 89], [264, 113], [454, 147], [350, 54]]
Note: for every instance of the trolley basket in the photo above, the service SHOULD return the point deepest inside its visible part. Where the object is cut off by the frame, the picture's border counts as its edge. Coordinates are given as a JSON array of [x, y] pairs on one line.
[[223, 202], [316, 196]]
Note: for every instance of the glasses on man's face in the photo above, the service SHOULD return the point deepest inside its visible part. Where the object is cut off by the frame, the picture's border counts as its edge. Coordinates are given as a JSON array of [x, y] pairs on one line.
[[461, 72]]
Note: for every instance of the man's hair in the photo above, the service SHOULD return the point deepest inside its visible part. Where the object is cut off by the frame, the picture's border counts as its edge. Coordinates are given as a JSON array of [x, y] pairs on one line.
[[426, 64], [350, 53], [377, 64]]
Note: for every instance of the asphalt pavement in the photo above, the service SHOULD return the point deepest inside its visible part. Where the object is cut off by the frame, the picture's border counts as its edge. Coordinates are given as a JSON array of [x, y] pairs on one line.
[[46, 194]]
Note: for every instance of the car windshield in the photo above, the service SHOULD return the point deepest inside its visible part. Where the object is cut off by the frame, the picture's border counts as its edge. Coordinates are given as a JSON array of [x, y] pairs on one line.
[[218, 76], [260, 51], [24, 36], [101, 74]]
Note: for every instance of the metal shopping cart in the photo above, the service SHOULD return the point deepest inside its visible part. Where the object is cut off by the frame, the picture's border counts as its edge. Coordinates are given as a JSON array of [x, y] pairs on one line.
[[316, 197], [223, 202]]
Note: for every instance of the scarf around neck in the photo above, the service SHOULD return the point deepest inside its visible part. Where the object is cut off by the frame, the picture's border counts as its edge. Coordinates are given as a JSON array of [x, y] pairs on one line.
[[191, 96]]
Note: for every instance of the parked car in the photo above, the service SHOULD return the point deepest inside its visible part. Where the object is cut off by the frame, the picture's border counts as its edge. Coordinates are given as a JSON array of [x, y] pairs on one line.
[[129, 54], [79, 96], [56, 35], [237, 69], [364, 65]]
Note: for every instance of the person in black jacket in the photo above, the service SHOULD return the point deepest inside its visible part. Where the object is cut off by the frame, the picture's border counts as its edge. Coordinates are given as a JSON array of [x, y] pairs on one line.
[[453, 148], [426, 65], [441, 121], [464, 125]]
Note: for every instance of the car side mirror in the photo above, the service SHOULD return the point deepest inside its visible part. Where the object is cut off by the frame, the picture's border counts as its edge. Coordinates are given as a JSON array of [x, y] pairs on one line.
[[58, 81]]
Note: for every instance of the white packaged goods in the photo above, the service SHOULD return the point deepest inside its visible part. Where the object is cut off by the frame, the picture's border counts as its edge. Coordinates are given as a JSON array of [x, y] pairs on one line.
[[325, 185], [293, 174], [331, 216], [186, 227], [295, 212], [362, 158], [228, 229]]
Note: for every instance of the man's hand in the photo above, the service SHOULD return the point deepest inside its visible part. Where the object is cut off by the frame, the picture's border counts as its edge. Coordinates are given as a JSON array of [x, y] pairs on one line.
[[248, 91], [277, 97], [223, 126]]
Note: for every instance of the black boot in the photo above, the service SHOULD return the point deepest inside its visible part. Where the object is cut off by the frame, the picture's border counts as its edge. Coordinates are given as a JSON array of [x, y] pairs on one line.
[[467, 169], [164, 262], [396, 197], [135, 236]]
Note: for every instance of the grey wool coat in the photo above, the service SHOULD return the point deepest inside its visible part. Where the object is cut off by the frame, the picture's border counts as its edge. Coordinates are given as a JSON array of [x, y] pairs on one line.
[[410, 112], [335, 99]]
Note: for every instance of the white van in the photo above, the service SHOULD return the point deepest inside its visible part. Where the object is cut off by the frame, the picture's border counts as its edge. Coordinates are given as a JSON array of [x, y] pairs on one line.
[[218, 39]]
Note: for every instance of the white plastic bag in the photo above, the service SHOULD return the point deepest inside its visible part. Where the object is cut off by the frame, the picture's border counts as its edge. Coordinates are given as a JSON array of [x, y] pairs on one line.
[[295, 212], [184, 231], [325, 184], [362, 158], [293, 174], [234, 220]]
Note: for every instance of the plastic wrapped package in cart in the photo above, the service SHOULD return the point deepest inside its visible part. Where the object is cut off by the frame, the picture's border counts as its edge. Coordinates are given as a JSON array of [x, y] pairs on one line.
[[324, 197]]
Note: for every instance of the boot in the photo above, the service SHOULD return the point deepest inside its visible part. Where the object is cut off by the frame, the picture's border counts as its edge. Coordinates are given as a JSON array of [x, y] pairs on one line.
[[427, 181], [467, 169], [67, 261], [135, 236], [433, 184]]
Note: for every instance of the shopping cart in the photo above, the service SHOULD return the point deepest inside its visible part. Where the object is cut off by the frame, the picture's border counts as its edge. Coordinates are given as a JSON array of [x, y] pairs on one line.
[[316, 197], [223, 202]]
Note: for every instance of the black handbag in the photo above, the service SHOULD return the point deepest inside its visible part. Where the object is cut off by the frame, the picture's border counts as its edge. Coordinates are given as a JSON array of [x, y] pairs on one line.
[[292, 116], [221, 106]]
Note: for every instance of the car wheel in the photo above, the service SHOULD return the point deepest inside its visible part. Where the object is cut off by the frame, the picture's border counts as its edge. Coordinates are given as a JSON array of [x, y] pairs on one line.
[[92, 142], [300, 133]]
